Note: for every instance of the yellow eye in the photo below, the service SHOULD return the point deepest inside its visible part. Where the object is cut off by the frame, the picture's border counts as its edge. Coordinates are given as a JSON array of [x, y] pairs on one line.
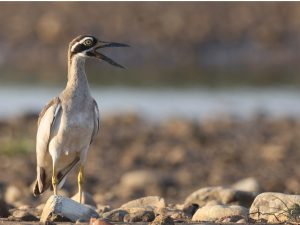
[[88, 42]]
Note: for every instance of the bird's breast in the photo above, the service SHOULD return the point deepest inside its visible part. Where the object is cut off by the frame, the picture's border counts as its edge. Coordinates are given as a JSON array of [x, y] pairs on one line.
[[75, 130]]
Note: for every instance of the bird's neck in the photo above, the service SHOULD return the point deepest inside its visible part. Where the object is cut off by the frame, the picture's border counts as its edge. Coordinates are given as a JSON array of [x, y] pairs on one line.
[[77, 80]]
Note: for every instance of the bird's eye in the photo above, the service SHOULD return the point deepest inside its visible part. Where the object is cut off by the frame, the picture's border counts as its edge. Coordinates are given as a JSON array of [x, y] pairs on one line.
[[88, 42]]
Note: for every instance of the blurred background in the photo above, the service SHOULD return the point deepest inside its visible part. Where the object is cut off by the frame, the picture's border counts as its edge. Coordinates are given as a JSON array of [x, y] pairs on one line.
[[210, 96]]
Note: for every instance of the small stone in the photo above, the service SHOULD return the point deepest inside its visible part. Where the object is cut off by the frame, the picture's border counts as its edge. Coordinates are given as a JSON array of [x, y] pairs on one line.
[[86, 199], [116, 215], [140, 216], [276, 208], [150, 201], [12, 194], [249, 184], [163, 220], [217, 212]]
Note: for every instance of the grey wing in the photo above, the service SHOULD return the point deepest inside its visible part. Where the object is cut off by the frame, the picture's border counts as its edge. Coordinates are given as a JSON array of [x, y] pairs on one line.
[[45, 128], [96, 121]]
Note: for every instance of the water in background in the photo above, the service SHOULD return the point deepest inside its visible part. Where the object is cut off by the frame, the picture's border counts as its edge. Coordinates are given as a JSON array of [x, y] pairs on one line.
[[163, 103]]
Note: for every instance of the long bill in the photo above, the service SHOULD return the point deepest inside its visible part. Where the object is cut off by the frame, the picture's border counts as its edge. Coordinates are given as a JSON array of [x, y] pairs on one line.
[[103, 44]]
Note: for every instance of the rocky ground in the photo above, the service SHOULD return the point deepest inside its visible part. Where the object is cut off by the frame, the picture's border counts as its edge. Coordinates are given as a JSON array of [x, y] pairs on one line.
[[212, 170]]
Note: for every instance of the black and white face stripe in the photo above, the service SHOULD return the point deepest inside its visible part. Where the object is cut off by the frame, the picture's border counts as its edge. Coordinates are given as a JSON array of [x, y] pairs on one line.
[[82, 44]]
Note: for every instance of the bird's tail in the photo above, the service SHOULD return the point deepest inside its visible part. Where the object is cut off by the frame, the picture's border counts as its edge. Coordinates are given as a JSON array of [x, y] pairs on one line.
[[43, 180]]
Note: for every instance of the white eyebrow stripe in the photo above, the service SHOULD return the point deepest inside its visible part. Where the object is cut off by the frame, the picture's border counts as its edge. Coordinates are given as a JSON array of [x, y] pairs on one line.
[[80, 42], [84, 39]]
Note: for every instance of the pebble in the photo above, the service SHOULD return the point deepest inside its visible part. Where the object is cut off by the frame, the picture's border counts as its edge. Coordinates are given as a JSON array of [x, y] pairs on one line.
[[220, 212], [276, 208]]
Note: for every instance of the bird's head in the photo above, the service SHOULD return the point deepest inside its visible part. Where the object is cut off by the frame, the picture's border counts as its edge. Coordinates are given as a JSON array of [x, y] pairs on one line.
[[86, 46]]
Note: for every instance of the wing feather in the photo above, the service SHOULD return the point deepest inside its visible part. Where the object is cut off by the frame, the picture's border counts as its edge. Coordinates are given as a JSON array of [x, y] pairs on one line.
[[46, 120], [45, 124], [96, 121]]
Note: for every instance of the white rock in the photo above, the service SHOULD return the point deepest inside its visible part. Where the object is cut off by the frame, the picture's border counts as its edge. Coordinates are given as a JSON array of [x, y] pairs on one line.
[[66, 207], [216, 212], [276, 207]]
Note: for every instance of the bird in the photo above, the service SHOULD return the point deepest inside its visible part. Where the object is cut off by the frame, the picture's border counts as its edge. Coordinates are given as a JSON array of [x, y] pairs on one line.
[[69, 123]]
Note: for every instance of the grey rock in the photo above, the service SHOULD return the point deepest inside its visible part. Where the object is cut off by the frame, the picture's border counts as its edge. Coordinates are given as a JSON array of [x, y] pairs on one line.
[[146, 202], [220, 212], [276, 208], [219, 194], [116, 215]]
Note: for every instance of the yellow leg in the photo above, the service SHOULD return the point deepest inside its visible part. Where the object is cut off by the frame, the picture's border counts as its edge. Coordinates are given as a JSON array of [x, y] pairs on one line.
[[54, 181], [80, 182]]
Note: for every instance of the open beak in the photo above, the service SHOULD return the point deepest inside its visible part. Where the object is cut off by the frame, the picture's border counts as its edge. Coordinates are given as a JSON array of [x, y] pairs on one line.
[[103, 44]]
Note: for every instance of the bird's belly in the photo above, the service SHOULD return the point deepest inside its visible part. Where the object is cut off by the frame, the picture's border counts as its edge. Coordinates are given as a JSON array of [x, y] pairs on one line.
[[75, 134]]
